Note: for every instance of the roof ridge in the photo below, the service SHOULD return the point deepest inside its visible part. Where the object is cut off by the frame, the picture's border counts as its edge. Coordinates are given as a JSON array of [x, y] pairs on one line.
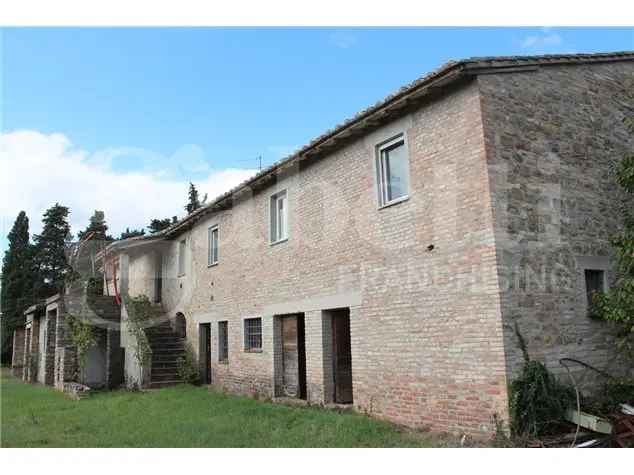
[[409, 88]]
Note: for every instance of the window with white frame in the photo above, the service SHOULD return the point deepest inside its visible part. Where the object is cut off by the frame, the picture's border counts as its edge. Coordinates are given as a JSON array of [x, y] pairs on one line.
[[181, 257], [279, 217], [212, 256], [392, 169]]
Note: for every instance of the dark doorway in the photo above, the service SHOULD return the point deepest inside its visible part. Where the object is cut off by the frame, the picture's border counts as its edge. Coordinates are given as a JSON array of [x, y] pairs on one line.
[[342, 358], [293, 356], [204, 334], [158, 281]]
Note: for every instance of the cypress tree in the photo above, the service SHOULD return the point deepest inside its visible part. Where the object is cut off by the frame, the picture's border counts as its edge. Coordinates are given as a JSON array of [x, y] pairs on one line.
[[194, 201], [51, 245], [17, 281]]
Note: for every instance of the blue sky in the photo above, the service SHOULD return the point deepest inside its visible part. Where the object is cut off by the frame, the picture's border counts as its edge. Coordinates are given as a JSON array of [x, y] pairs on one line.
[[176, 104]]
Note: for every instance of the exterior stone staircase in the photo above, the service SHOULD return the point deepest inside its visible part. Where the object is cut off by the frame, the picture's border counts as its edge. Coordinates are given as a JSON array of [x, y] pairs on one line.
[[167, 346]]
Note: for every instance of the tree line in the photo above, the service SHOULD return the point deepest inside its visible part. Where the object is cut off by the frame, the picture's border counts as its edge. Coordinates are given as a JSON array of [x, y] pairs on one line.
[[38, 269]]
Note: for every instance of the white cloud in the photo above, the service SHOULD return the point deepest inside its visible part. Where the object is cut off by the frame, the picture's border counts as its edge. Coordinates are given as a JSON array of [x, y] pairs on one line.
[[343, 39], [542, 41], [37, 170]]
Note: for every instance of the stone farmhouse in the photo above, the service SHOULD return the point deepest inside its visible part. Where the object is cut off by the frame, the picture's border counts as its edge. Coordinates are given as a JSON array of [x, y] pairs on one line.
[[391, 263]]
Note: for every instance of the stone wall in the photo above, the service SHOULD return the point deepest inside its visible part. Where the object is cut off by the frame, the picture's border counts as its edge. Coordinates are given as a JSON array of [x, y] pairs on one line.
[[17, 357], [552, 136]]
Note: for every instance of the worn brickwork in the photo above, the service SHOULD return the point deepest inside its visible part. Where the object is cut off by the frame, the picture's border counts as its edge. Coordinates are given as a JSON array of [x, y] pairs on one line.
[[427, 348], [511, 198], [552, 137]]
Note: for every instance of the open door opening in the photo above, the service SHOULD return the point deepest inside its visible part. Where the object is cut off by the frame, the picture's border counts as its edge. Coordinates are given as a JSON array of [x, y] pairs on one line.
[[158, 280], [293, 356], [342, 357], [204, 335]]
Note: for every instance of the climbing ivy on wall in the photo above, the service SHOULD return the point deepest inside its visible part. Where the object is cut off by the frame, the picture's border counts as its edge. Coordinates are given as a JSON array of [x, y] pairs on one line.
[[617, 305], [139, 311], [83, 338]]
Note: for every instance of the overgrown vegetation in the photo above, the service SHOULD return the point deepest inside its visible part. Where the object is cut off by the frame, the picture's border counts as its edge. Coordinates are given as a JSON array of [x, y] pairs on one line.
[[83, 338], [617, 305], [538, 401], [613, 393], [139, 311], [186, 366]]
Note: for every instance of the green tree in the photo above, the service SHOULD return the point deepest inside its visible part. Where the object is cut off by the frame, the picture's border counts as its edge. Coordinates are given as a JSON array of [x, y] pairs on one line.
[[97, 228], [50, 259], [157, 225], [617, 305], [132, 233], [194, 200], [17, 281]]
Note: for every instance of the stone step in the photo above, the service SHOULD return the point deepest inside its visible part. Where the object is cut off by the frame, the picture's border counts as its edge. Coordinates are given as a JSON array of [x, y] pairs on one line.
[[163, 384], [159, 341], [162, 373], [167, 355], [164, 365], [166, 347]]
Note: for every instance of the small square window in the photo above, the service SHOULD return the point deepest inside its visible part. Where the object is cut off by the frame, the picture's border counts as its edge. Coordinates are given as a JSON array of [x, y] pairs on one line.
[[595, 283], [392, 171], [279, 217], [223, 342], [253, 334], [181, 257], [212, 256]]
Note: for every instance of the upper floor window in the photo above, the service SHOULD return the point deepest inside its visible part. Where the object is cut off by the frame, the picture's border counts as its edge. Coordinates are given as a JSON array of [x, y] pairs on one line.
[[392, 171], [212, 256], [279, 217], [181, 257]]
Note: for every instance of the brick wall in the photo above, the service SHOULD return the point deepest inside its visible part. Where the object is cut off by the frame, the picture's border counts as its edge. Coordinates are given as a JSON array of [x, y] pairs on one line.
[[552, 136], [427, 344], [509, 182]]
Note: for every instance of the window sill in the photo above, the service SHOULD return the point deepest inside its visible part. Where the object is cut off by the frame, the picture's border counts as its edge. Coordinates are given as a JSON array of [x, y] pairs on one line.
[[181, 275], [212, 265], [278, 242], [224, 362], [394, 202], [254, 350]]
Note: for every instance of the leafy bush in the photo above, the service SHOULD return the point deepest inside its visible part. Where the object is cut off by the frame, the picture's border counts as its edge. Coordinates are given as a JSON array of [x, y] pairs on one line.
[[613, 393], [538, 401], [186, 367]]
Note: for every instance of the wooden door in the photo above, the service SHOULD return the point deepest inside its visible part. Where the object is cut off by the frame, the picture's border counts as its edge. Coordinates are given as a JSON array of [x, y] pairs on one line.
[[293, 357], [342, 358], [204, 335], [290, 359]]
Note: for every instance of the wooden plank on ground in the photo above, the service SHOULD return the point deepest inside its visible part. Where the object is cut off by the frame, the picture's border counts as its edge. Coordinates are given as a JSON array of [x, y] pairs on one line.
[[588, 421]]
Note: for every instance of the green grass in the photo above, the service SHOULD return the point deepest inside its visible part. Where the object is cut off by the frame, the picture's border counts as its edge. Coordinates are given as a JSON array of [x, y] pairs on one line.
[[181, 416]]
